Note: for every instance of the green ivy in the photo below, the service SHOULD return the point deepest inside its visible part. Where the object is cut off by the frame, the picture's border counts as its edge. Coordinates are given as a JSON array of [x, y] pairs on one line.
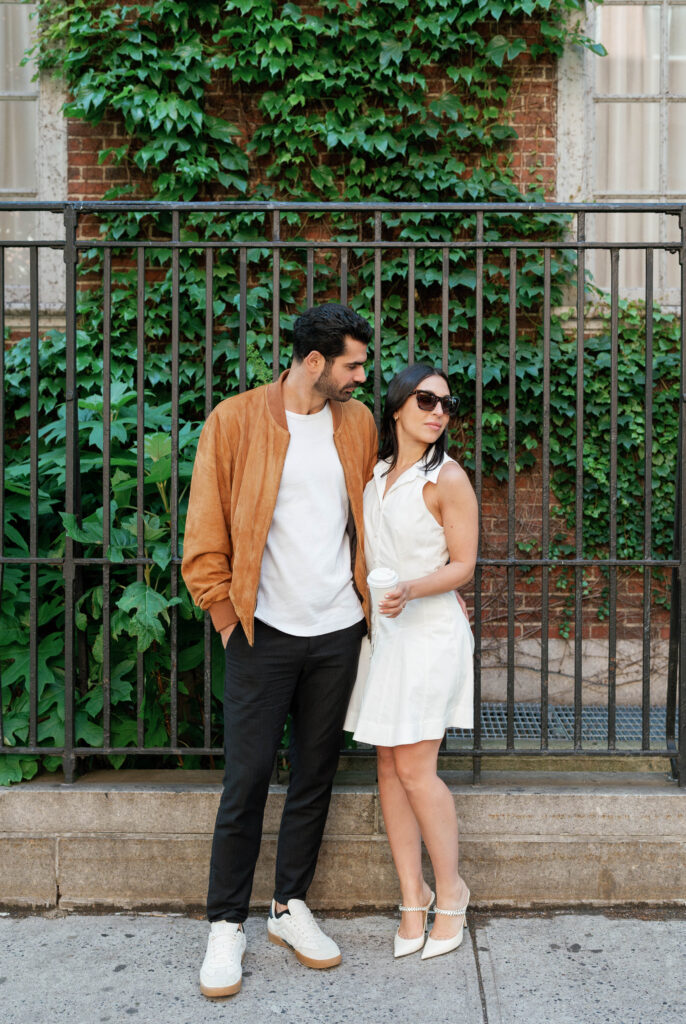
[[346, 103]]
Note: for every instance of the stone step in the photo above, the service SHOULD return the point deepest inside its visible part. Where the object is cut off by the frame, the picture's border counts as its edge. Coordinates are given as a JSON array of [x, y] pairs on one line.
[[141, 839]]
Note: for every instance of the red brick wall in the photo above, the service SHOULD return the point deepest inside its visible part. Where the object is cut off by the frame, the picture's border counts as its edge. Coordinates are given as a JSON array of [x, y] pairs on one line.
[[532, 108], [86, 178], [528, 586]]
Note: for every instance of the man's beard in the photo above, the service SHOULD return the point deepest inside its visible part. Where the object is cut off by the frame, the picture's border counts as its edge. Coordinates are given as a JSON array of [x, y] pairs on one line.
[[326, 387]]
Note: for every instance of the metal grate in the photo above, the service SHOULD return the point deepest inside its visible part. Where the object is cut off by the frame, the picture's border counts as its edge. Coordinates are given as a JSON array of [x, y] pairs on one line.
[[527, 723]]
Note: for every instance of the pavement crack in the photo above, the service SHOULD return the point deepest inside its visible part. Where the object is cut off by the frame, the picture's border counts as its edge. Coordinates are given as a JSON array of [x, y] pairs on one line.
[[471, 924]]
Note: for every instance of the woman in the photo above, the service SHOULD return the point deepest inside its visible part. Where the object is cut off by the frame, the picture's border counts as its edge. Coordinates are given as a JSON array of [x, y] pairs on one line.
[[421, 519]]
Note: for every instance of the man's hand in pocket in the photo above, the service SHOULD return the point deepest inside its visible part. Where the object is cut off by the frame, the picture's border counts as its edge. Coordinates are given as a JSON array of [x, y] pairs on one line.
[[226, 632]]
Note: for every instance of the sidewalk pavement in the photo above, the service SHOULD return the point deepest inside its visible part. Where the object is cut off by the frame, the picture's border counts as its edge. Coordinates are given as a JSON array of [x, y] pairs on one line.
[[547, 968]]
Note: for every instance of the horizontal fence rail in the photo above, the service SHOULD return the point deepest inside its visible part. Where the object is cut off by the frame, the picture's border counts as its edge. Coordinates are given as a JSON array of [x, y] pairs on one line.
[[166, 308]]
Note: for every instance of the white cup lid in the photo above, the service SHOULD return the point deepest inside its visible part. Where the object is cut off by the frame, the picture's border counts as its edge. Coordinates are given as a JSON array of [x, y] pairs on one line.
[[382, 578]]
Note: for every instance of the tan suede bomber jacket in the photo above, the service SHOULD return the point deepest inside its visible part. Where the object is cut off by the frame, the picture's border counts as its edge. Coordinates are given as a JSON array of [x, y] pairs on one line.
[[236, 477]]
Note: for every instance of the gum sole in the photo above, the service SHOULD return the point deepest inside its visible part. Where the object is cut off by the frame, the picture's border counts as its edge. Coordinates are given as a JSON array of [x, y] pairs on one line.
[[219, 993], [319, 965]]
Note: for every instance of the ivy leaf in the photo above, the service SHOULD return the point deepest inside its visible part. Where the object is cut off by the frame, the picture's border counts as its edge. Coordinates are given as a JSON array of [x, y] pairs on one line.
[[157, 446], [392, 49], [140, 598], [20, 668], [499, 48], [147, 606], [14, 768], [90, 531], [448, 105], [87, 731]]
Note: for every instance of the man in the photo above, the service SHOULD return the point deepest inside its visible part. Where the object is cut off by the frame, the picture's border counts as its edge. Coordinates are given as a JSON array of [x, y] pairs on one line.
[[273, 551]]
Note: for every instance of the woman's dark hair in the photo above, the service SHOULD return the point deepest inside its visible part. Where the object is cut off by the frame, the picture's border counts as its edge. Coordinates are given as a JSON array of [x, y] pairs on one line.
[[399, 390], [324, 329]]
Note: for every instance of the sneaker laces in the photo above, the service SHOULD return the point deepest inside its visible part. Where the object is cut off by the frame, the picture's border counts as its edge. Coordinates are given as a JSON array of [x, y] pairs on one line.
[[220, 945], [305, 924]]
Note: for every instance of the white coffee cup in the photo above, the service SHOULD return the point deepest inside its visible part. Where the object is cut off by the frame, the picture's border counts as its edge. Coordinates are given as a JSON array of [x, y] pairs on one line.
[[380, 581]]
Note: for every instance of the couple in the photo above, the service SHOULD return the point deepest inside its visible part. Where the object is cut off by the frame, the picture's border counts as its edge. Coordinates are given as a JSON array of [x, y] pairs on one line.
[[273, 550]]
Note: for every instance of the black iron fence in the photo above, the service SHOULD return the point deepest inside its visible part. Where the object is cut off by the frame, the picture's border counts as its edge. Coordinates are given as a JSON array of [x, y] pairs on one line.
[[170, 307]]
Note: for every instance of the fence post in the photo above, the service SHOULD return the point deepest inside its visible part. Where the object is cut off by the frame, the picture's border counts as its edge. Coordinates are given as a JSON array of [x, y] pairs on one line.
[[681, 502], [70, 490]]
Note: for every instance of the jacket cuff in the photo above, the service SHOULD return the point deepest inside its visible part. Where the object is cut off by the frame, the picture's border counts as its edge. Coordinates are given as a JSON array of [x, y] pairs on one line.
[[223, 614]]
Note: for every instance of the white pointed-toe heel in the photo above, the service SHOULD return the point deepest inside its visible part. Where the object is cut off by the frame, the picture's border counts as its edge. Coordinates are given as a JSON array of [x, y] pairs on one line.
[[436, 947], [403, 947]]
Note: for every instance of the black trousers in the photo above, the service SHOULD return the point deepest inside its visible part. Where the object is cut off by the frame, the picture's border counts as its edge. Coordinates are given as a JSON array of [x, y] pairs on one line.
[[311, 677]]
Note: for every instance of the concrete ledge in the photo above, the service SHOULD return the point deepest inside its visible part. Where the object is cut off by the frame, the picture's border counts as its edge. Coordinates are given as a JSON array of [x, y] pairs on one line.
[[140, 839], [28, 871]]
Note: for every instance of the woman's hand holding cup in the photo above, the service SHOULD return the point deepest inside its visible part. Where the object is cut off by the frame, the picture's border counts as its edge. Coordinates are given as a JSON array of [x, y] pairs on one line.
[[389, 595], [381, 582], [394, 601]]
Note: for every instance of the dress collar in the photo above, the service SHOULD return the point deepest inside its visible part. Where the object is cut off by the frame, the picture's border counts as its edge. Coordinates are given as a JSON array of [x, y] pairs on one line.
[[411, 473]]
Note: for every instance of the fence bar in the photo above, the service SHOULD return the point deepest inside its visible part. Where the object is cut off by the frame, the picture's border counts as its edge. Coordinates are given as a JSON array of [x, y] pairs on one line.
[[614, 386], [511, 497], [411, 270], [140, 474], [209, 331], [524, 563], [478, 487], [682, 524], [243, 320], [276, 295], [173, 724], [310, 278], [445, 309], [209, 401], [673, 668], [377, 320], [303, 244], [545, 503], [543, 755], [33, 498], [71, 483], [579, 496], [2, 458], [647, 503], [106, 494], [344, 277], [342, 206]]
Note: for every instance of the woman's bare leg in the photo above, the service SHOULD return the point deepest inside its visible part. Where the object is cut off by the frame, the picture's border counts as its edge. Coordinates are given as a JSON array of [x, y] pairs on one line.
[[405, 841], [433, 808]]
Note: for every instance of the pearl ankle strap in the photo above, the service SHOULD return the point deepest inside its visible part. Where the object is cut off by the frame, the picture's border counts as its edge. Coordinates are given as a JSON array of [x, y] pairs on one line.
[[423, 910]]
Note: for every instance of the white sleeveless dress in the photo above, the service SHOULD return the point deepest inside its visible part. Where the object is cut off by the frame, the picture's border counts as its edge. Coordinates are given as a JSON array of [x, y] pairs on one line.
[[417, 676]]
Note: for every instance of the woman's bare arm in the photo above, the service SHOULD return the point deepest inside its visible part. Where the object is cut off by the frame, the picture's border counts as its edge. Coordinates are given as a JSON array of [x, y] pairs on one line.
[[460, 517]]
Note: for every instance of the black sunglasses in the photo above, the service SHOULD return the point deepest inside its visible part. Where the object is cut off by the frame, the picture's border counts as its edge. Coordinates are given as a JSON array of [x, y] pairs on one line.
[[427, 401]]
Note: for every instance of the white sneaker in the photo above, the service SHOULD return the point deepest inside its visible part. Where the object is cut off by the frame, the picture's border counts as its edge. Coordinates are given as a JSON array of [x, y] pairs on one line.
[[298, 930], [221, 971]]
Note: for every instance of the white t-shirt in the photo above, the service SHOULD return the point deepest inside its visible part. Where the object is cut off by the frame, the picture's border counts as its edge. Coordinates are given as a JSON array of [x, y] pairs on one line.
[[306, 586]]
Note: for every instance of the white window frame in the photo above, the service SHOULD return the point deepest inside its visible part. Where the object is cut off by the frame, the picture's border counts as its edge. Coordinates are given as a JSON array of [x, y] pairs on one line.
[[51, 185], [576, 136]]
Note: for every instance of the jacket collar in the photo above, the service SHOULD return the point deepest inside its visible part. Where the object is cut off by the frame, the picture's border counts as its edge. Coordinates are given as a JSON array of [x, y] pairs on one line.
[[278, 410]]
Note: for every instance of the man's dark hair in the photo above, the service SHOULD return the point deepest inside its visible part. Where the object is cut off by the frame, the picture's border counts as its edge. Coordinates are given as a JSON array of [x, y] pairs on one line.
[[324, 328]]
